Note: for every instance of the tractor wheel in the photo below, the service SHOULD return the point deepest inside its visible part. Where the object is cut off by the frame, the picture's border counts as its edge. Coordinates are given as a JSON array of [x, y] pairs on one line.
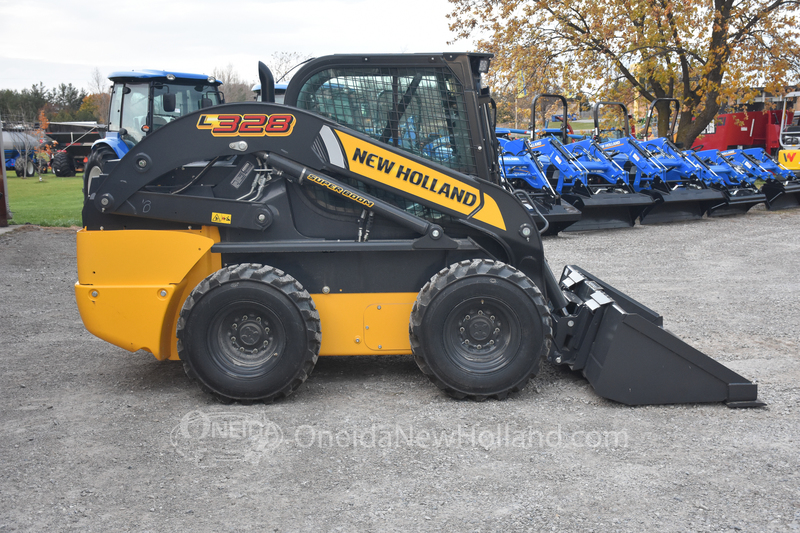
[[479, 329], [249, 332], [24, 167], [95, 165], [63, 166]]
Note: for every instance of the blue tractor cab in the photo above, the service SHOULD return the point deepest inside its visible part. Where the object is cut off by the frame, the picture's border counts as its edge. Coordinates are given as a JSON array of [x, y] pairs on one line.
[[143, 101], [280, 92]]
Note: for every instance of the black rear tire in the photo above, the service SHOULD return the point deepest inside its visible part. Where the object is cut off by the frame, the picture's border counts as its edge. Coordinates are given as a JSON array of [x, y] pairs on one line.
[[24, 167], [479, 329], [250, 333], [63, 166], [95, 165]]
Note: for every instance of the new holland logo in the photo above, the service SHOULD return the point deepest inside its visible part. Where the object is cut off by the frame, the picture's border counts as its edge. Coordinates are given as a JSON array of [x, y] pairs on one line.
[[220, 218], [431, 186]]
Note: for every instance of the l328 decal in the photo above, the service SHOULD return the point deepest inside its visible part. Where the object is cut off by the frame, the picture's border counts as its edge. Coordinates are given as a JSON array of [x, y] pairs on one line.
[[250, 125]]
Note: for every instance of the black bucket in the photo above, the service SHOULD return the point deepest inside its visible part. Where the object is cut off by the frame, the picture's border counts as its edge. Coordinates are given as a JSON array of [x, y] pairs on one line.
[[680, 205], [738, 201], [781, 195], [559, 215], [607, 209], [623, 351]]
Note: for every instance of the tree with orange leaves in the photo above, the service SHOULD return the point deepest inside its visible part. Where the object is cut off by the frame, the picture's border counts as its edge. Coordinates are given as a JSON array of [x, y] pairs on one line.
[[704, 53]]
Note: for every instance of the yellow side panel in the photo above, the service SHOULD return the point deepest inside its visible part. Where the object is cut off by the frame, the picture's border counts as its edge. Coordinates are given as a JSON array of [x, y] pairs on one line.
[[132, 283], [139, 257], [352, 324], [128, 317], [790, 159]]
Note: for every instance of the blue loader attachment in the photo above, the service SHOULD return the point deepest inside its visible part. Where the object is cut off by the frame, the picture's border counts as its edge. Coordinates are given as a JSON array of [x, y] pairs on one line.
[[603, 204], [526, 177], [740, 192], [685, 177], [778, 184], [660, 175], [591, 183]]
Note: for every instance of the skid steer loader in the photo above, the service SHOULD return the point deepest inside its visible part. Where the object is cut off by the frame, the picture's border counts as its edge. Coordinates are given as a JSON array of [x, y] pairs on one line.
[[362, 217]]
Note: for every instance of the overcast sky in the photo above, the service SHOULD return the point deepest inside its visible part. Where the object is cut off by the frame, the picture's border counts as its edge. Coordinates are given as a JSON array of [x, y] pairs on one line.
[[62, 41]]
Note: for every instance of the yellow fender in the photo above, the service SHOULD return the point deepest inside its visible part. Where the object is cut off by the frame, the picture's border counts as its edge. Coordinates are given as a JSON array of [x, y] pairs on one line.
[[132, 283]]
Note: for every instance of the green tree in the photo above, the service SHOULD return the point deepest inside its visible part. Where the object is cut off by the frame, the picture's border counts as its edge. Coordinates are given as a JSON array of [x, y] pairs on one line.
[[702, 52]]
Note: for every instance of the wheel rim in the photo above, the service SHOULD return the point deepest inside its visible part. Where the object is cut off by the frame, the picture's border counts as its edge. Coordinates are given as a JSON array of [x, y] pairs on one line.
[[95, 172], [482, 335], [246, 339]]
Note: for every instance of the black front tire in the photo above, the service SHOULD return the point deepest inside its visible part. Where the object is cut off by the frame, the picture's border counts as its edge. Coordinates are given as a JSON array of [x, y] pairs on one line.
[[63, 166], [249, 332], [479, 329], [95, 165]]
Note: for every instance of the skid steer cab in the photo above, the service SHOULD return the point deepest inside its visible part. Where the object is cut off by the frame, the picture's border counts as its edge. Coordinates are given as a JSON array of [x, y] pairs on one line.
[[142, 101], [364, 216]]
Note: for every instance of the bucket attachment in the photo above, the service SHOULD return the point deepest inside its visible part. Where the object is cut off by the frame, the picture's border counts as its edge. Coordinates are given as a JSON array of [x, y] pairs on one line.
[[551, 216], [738, 201], [681, 204], [607, 209], [621, 347], [781, 194], [560, 217]]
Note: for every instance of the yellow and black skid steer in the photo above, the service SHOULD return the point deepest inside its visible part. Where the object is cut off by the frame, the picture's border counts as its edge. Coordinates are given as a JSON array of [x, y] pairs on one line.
[[364, 216]]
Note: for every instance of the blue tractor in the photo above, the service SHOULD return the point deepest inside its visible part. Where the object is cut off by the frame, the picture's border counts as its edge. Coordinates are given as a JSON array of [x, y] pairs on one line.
[[143, 101]]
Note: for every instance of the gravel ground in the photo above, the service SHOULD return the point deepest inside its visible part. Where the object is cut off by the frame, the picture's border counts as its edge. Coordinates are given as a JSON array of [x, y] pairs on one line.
[[98, 439]]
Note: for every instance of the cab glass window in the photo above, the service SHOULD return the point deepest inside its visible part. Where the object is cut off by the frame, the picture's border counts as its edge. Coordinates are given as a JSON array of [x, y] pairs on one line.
[[421, 111]]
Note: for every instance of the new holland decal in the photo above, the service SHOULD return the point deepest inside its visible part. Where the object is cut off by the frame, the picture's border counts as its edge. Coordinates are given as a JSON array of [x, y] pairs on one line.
[[250, 125], [398, 172]]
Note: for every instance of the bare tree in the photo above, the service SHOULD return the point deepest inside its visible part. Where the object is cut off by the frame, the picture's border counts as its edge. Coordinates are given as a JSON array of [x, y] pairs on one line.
[[283, 63], [100, 96], [235, 88]]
